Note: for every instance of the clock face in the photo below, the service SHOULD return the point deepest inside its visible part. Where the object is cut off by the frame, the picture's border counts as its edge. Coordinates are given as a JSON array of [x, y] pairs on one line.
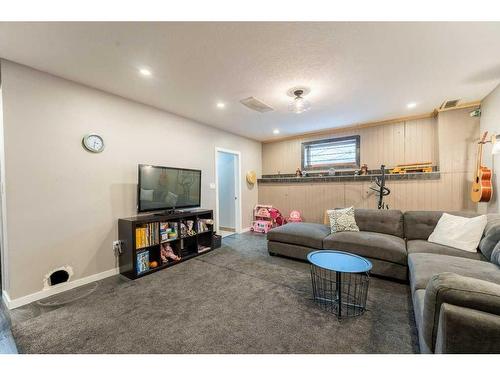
[[93, 143]]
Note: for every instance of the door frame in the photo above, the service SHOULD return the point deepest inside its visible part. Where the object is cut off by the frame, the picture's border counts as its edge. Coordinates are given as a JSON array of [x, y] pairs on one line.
[[237, 189]]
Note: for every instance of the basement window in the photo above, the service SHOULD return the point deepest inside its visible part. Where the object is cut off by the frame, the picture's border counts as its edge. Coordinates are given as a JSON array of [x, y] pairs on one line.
[[337, 153]]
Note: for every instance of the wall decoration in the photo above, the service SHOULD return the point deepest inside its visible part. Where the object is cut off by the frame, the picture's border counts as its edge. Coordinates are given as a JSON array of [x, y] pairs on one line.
[[251, 177], [93, 143]]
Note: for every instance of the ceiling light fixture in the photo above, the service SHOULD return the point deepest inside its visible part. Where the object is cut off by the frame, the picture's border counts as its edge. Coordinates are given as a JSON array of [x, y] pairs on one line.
[[411, 105], [220, 105], [145, 72], [276, 131], [299, 104]]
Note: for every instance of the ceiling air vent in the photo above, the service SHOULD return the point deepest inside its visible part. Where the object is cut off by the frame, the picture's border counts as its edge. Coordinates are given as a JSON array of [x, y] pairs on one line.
[[255, 104], [449, 104]]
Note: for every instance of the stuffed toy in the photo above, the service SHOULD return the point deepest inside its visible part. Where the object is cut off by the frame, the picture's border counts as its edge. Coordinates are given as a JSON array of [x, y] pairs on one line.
[[167, 253], [295, 217], [277, 217]]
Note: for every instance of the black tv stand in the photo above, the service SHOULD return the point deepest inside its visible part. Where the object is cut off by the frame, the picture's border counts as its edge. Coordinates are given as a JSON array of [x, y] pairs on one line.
[[143, 234]]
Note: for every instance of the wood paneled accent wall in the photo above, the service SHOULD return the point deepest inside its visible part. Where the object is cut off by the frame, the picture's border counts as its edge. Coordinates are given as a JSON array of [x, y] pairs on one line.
[[447, 140], [398, 143]]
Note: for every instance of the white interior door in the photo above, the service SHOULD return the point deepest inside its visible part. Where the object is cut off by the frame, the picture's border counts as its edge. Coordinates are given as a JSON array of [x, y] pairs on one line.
[[228, 190]]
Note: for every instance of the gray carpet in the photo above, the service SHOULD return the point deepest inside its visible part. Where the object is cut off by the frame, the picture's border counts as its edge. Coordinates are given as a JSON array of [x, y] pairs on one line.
[[236, 299]]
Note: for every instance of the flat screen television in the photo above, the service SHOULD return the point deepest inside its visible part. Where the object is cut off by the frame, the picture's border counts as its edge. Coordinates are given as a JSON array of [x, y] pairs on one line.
[[164, 188]]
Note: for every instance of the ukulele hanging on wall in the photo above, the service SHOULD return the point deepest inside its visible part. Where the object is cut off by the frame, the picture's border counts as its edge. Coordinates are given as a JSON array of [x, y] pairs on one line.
[[481, 185]]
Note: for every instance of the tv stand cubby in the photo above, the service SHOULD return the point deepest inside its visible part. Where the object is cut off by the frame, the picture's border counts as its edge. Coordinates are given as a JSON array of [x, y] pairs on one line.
[[143, 237]]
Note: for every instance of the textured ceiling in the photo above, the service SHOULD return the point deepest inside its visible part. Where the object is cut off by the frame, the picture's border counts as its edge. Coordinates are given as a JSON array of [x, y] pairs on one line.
[[357, 72]]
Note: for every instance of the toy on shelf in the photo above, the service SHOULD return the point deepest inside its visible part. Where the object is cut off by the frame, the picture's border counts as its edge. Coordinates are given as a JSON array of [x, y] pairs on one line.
[[262, 211], [261, 226], [187, 229], [295, 217], [190, 230], [167, 253], [266, 217], [277, 218]]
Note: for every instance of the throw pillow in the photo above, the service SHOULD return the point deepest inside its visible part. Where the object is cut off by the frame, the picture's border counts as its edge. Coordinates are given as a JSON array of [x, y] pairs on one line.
[[342, 220], [460, 232]]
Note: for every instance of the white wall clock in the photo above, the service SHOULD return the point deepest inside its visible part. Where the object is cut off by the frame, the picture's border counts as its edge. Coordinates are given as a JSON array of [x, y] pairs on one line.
[[93, 143]]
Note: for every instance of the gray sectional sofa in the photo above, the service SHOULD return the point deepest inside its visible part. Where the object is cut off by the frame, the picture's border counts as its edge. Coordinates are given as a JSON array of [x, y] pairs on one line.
[[456, 294]]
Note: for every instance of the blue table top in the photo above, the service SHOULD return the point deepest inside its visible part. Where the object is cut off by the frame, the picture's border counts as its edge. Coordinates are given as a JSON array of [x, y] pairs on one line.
[[339, 261]]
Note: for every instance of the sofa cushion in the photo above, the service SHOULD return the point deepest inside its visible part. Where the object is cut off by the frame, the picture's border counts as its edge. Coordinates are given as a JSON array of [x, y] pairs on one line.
[[418, 307], [380, 221], [495, 255], [423, 266], [418, 225], [370, 244], [422, 246], [491, 236], [304, 234]]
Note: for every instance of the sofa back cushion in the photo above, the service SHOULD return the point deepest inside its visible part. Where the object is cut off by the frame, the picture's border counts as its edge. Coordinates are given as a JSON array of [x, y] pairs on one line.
[[418, 225], [380, 221], [495, 255], [491, 238]]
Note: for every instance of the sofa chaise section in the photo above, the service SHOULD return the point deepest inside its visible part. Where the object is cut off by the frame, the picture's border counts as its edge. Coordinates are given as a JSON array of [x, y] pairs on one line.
[[424, 266], [456, 294], [296, 240]]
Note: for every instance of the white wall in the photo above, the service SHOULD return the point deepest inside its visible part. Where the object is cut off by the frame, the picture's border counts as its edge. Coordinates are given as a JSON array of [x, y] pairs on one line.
[[3, 211], [64, 202], [226, 167], [490, 121]]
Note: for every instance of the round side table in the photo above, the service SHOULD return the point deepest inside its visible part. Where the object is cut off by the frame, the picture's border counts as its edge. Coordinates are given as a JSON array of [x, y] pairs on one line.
[[340, 281]]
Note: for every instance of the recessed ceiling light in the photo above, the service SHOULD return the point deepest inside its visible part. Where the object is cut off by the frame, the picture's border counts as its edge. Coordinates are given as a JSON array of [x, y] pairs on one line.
[[145, 72], [276, 131], [411, 105], [220, 105]]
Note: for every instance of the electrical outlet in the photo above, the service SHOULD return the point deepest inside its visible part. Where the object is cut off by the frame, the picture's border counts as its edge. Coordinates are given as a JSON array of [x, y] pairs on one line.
[[117, 247]]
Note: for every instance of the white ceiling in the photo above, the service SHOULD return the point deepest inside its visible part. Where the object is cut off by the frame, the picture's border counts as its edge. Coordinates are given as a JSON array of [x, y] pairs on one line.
[[357, 72]]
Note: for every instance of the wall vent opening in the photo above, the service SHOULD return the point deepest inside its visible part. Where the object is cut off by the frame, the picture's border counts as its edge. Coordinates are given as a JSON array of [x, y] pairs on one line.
[[255, 104], [58, 277], [447, 104]]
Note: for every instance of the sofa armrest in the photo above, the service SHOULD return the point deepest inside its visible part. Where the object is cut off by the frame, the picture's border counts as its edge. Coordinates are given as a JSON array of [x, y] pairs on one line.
[[452, 289], [467, 331]]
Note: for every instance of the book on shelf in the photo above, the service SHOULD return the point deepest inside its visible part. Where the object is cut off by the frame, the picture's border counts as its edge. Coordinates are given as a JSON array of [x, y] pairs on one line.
[[142, 261], [146, 235], [203, 225]]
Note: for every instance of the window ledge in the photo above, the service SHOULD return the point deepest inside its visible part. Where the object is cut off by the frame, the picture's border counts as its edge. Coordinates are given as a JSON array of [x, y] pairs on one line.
[[348, 178]]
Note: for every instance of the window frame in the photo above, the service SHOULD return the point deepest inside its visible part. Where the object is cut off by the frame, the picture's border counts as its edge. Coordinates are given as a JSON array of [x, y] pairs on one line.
[[355, 165]]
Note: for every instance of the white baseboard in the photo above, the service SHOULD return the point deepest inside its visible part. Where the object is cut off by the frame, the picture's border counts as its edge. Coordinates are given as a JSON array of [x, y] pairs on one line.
[[247, 229], [21, 301]]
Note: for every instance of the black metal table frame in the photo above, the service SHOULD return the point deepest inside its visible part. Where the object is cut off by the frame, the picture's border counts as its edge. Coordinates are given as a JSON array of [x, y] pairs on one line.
[[337, 301]]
